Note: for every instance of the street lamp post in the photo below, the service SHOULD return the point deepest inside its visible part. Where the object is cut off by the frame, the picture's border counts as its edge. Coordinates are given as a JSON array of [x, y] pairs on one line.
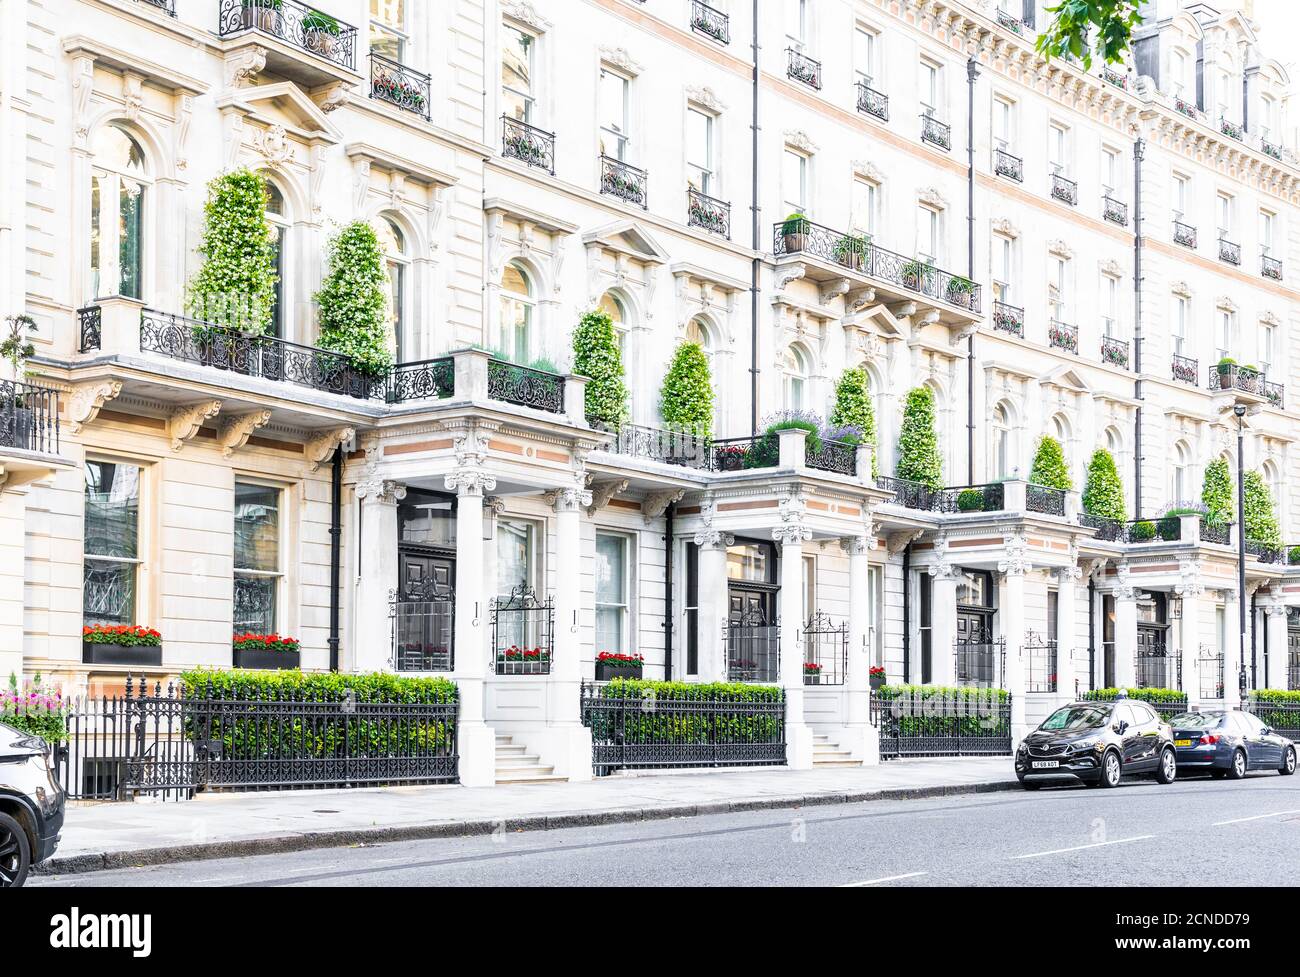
[[1240, 411]]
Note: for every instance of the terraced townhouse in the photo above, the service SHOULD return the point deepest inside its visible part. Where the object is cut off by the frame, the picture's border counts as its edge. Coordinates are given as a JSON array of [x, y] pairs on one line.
[[1048, 250]]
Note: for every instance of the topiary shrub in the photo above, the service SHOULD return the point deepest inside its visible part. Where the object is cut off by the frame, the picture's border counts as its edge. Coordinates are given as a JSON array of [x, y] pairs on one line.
[[353, 300], [596, 356], [235, 288], [1103, 495], [686, 401], [1293, 555], [1049, 468], [1142, 532], [853, 408], [1261, 521], [918, 444], [970, 500], [1216, 492]]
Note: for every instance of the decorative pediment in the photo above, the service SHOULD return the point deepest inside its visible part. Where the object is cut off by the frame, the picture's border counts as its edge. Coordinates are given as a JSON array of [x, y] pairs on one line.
[[618, 57], [1066, 378], [281, 104], [868, 170], [525, 13], [884, 321], [1111, 267], [932, 197], [160, 76], [379, 159], [1179, 287], [1060, 249], [630, 239], [1269, 318], [1004, 227], [798, 139], [705, 98], [1225, 302]]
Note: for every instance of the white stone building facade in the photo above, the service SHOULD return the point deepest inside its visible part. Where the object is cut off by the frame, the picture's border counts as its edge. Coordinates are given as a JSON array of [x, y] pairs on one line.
[[1125, 229]]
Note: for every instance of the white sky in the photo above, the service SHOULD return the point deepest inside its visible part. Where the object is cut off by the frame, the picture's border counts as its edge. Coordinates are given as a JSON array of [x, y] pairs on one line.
[[1277, 21]]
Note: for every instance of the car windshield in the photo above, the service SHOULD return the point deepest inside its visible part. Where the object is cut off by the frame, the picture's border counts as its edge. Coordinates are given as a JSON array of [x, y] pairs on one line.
[[1196, 720], [1072, 718]]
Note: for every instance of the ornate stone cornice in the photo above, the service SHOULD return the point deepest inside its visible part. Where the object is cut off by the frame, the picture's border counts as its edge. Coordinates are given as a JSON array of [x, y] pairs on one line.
[[185, 422], [656, 504], [322, 447], [236, 431], [88, 399], [602, 492], [525, 13]]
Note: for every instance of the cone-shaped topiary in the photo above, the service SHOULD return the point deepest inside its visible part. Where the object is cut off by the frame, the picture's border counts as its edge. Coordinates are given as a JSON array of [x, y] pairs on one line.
[[235, 287], [1104, 493], [686, 401], [1217, 493], [596, 356], [353, 300], [1261, 522], [1049, 468], [853, 408], [918, 444]]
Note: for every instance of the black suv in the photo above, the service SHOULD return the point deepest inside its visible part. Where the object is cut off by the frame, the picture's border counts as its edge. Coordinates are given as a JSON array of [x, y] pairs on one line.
[[31, 805], [1098, 743]]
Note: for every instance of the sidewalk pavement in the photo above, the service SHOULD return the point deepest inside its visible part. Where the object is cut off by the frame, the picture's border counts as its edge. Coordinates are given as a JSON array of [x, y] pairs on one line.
[[99, 836]]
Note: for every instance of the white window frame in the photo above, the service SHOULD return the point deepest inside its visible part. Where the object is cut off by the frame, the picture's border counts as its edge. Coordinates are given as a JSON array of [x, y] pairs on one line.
[[531, 97], [609, 129], [137, 562], [930, 88], [1003, 277], [1182, 195], [398, 32], [703, 176], [623, 608], [1267, 232], [871, 190], [1181, 317], [797, 17], [866, 56], [1110, 306], [277, 576], [790, 204], [1225, 214], [929, 236], [1058, 148], [1004, 123]]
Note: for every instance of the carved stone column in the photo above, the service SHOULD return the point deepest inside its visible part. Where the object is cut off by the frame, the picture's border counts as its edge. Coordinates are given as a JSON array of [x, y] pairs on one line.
[[378, 569], [798, 736], [1012, 612]]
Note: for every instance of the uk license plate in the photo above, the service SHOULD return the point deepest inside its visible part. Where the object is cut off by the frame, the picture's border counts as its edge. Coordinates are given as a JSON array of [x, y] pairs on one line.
[[1182, 742], [1046, 764]]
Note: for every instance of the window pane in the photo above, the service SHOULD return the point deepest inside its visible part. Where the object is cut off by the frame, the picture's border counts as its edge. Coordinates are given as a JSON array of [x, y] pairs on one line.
[[257, 528], [255, 604], [611, 557], [94, 236], [423, 517], [748, 561], [131, 217], [514, 549], [609, 629], [108, 593], [112, 509]]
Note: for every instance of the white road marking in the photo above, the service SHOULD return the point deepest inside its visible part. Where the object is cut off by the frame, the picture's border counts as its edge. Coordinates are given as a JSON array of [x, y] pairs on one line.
[[890, 878], [1257, 817], [1099, 844]]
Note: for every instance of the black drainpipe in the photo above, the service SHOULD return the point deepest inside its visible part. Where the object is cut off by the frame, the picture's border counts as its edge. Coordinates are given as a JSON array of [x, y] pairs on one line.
[[1254, 631], [972, 72], [669, 548], [336, 551], [1139, 150], [907, 614], [1092, 633], [756, 264]]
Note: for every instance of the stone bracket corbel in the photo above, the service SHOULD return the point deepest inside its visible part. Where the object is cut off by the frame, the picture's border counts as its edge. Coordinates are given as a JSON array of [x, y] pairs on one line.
[[186, 422], [322, 447], [603, 492], [657, 503], [88, 399], [236, 431]]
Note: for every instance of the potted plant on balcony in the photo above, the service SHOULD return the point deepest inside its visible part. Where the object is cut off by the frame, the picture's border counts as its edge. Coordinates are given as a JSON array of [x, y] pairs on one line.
[[876, 676], [396, 89], [851, 251], [615, 664], [794, 233], [353, 301], [914, 274], [1224, 369], [17, 420], [960, 291], [970, 500], [320, 33], [812, 673], [121, 644], [266, 651], [262, 14], [686, 399], [1142, 532]]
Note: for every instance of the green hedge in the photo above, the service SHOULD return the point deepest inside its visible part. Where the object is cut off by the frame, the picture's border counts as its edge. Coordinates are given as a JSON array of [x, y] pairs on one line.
[[1163, 696], [1285, 714], [664, 724], [972, 718], [315, 687]]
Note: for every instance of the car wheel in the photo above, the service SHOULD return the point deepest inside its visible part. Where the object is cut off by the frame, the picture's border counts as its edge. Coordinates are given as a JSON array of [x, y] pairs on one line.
[[1238, 769], [1168, 769], [1110, 770], [1288, 762], [15, 853]]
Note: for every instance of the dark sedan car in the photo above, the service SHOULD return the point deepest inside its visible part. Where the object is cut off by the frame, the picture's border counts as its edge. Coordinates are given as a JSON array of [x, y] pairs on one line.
[[1098, 743], [1227, 743], [31, 805]]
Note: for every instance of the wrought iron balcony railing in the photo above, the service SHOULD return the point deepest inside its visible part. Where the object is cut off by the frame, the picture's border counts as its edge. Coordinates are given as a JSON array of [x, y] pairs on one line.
[[525, 387], [1185, 369], [421, 380], [936, 133], [528, 144], [1270, 267], [802, 68], [1064, 190], [1108, 530], [908, 494], [838, 457], [1062, 335], [1044, 500], [29, 417], [1230, 129], [1229, 251], [1184, 234], [1219, 533], [1242, 379], [294, 23], [91, 320], [1012, 167], [1187, 108], [1275, 393], [1265, 552], [1114, 351], [1115, 211], [396, 84], [1116, 78], [167, 6], [1009, 318], [708, 213], [710, 22], [990, 497], [624, 181], [872, 102], [658, 444], [1011, 22], [1270, 149]]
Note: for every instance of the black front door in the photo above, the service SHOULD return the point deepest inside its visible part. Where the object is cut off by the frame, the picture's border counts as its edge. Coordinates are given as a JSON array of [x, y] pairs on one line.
[[423, 574], [752, 653], [426, 612], [975, 653], [1153, 671]]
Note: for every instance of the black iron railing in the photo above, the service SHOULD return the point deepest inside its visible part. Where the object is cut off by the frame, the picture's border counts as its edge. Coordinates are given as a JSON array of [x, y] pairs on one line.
[[753, 650], [528, 144], [1044, 500], [980, 664], [1184, 234], [525, 387], [936, 133], [1114, 351], [1108, 530], [1164, 529], [395, 83], [708, 213], [658, 444], [631, 729], [1012, 167], [825, 650], [1040, 655], [1270, 149], [802, 68], [523, 633], [839, 457], [1116, 78], [910, 495], [1264, 552], [1230, 376], [1185, 369], [29, 417], [424, 627], [263, 357], [1156, 668], [743, 454], [990, 497], [939, 723], [1064, 190], [1270, 267], [1209, 668], [169, 7], [1275, 392], [294, 23], [422, 380], [624, 181], [1219, 533], [1283, 718], [710, 22], [1229, 251], [1230, 129], [1063, 335], [1187, 108], [1009, 319], [872, 102], [91, 321], [1115, 211], [1010, 21]]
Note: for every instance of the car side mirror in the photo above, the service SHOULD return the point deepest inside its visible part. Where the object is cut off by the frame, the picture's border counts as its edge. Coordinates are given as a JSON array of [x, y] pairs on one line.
[[1120, 726], [1267, 731]]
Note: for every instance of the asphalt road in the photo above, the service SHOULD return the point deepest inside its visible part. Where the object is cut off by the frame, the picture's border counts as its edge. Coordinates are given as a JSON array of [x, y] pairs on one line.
[[1193, 832]]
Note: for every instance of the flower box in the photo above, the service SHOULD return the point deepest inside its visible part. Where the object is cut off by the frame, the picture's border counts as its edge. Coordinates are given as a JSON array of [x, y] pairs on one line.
[[877, 677], [266, 652], [612, 665], [99, 653]]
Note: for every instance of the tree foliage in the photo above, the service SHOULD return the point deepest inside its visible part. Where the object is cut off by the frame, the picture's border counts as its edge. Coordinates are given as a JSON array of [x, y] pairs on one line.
[[1103, 495], [1217, 492], [1261, 520], [596, 356], [853, 408], [1050, 468], [354, 298], [918, 443], [686, 400], [1082, 29], [235, 287]]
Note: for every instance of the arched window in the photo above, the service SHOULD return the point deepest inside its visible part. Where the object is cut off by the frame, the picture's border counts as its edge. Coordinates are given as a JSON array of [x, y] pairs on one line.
[[1002, 450], [1061, 430], [1273, 479], [277, 217], [1114, 444], [118, 189], [698, 332], [396, 262], [1180, 482], [517, 308], [613, 306], [796, 379]]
